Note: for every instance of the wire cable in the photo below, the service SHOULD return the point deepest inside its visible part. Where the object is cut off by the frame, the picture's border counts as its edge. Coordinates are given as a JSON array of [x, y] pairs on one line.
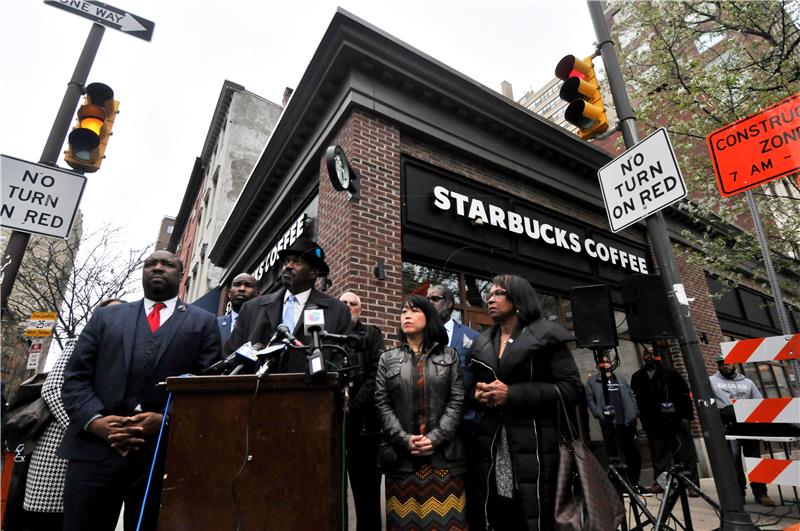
[[247, 457]]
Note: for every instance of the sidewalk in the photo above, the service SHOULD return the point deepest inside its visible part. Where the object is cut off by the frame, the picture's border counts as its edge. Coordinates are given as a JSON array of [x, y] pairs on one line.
[[766, 518]]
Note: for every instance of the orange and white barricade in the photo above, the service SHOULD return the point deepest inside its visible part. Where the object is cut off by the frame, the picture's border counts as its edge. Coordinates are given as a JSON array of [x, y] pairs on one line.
[[767, 410], [775, 471], [775, 348]]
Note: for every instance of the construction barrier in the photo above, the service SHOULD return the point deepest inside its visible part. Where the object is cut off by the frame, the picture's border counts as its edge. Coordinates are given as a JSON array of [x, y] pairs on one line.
[[775, 348], [775, 471], [767, 410]]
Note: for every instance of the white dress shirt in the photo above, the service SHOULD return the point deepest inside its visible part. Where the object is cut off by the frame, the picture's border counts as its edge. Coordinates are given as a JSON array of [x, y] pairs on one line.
[[165, 312], [449, 327]]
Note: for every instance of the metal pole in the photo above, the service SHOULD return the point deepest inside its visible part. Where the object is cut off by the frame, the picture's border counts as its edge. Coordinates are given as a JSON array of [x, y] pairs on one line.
[[733, 517], [18, 241], [783, 317]]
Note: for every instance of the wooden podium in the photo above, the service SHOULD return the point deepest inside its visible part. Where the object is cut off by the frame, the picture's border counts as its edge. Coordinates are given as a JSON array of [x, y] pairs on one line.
[[293, 477]]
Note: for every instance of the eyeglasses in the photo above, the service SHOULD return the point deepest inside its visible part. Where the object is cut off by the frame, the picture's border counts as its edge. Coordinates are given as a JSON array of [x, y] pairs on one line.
[[435, 298], [494, 293]]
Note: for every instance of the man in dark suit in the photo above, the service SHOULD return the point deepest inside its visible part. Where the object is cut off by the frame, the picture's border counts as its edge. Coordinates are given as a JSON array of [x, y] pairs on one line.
[[243, 288], [258, 319], [115, 405], [363, 427], [461, 336]]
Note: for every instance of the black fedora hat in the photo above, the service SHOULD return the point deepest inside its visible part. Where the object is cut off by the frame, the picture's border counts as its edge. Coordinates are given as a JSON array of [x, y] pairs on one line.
[[309, 251]]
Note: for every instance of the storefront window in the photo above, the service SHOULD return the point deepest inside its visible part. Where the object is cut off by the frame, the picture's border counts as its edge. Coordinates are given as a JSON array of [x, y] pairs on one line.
[[477, 288], [550, 307], [418, 278]]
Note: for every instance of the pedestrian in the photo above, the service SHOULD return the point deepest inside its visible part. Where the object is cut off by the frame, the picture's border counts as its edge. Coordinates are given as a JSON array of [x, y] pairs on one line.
[[522, 367], [612, 402], [729, 386], [420, 399], [666, 413], [363, 427], [114, 402]]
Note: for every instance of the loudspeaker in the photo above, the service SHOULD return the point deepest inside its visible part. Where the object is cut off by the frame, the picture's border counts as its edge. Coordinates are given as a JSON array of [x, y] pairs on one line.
[[593, 317], [647, 307]]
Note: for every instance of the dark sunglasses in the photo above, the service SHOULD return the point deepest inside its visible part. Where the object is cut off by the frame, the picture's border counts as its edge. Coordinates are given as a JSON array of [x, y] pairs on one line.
[[435, 298]]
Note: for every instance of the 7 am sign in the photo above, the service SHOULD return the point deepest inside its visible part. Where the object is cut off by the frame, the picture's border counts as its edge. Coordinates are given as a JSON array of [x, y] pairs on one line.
[[757, 149]]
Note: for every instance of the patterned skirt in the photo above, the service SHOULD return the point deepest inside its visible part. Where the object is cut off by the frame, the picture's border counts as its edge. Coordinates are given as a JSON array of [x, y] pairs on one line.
[[429, 499]]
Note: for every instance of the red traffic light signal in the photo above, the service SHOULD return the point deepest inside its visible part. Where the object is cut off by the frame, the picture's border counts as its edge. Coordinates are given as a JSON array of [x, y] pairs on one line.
[[88, 140], [585, 110]]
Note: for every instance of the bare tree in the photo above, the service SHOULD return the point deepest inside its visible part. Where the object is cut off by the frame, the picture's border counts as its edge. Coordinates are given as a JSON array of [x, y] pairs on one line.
[[73, 277]]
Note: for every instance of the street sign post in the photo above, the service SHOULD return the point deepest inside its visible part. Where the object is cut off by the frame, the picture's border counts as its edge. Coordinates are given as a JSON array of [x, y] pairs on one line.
[[641, 181], [34, 354], [110, 16], [757, 149], [39, 199], [40, 324]]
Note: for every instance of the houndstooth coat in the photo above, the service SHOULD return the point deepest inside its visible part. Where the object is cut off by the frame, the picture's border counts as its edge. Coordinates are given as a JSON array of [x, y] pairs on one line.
[[44, 490]]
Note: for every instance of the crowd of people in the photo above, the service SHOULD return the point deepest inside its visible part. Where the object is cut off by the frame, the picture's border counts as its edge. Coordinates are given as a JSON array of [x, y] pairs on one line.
[[463, 425]]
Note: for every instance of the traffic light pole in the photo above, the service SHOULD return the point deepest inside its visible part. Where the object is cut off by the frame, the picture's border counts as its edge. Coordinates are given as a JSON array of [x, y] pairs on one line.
[[733, 517], [18, 241]]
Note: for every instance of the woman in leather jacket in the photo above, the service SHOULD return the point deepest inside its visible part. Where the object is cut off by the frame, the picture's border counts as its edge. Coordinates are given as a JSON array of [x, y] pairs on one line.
[[420, 399], [517, 364]]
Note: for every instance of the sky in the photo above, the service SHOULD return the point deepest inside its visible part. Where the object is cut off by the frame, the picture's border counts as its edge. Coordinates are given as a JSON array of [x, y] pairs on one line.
[[168, 87]]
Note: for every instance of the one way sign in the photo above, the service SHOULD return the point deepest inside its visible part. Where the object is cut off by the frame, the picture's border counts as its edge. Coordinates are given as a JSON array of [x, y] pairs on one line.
[[107, 15]]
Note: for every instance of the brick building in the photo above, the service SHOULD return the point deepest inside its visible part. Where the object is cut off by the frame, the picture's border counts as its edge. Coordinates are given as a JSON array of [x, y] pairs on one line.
[[458, 183]]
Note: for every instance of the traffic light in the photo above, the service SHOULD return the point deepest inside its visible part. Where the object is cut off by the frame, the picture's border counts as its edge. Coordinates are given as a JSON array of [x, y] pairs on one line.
[[88, 140], [580, 89]]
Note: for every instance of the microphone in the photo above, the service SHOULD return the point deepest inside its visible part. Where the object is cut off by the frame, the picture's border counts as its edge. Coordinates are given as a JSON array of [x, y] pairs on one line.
[[286, 335], [247, 357], [220, 366], [313, 325]]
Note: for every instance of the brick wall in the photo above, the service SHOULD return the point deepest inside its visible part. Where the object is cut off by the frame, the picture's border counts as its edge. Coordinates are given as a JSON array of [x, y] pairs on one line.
[[704, 315], [356, 234]]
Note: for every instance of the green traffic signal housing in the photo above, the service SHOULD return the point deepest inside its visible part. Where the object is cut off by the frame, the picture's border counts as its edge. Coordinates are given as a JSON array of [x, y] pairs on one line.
[[585, 110], [89, 138]]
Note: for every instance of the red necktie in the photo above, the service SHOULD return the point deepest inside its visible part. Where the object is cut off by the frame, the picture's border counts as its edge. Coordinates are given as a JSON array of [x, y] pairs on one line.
[[154, 317]]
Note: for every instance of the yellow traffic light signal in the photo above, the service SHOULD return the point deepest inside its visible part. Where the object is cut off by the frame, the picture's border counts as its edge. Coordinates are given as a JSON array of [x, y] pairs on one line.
[[88, 140], [585, 110]]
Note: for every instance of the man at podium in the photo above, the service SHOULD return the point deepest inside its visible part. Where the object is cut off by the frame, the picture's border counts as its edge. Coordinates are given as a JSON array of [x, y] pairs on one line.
[[260, 317]]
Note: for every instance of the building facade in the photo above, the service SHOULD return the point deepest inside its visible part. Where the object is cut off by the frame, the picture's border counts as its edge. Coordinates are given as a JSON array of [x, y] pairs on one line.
[[241, 124], [165, 232], [457, 184]]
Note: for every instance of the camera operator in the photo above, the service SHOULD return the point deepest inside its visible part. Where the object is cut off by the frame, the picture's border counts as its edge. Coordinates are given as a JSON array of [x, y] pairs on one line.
[[665, 409], [363, 428], [615, 408]]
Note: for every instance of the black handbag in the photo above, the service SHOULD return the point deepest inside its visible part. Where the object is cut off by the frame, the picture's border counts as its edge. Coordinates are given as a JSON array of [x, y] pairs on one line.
[[27, 417], [585, 498]]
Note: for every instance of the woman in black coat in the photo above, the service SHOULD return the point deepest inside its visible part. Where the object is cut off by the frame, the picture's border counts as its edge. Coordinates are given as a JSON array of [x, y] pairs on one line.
[[517, 364]]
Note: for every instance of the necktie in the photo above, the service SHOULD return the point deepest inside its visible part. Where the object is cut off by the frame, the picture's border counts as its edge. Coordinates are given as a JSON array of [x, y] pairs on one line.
[[154, 317], [288, 312]]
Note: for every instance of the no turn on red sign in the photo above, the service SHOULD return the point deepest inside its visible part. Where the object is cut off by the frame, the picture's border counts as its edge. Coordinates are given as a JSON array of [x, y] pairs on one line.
[[757, 149], [641, 181]]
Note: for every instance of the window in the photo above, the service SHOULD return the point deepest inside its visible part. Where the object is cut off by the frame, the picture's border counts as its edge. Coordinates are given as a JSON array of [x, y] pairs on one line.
[[706, 41]]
